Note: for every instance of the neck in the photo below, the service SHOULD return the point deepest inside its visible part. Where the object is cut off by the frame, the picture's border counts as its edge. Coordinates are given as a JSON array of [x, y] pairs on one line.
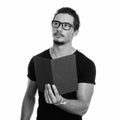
[[60, 51]]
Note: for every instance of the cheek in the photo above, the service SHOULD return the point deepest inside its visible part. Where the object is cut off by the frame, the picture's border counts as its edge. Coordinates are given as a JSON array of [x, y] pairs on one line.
[[69, 35], [53, 30]]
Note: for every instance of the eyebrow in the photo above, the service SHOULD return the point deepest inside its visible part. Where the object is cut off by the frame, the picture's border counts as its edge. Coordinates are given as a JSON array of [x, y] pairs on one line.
[[62, 22]]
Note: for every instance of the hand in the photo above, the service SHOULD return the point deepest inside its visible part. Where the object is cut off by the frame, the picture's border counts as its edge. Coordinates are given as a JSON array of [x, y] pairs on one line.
[[50, 97]]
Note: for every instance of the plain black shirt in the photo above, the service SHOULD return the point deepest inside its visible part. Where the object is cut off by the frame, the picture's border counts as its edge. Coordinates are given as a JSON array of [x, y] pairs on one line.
[[86, 72]]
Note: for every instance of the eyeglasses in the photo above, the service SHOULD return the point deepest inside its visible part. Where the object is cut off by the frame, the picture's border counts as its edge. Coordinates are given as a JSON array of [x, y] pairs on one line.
[[65, 25]]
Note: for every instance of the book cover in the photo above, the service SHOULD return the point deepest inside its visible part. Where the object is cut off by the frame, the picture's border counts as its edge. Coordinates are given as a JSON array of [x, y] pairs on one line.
[[61, 71]]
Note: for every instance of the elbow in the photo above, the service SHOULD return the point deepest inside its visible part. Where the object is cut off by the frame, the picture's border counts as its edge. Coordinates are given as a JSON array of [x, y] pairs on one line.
[[29, 99], [83, 111]]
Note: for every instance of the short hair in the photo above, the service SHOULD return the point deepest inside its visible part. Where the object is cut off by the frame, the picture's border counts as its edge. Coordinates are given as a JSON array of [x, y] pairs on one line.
[[71, 12]]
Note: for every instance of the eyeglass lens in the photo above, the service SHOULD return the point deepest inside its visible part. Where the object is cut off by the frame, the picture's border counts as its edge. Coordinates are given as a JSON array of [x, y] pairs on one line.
[[65, 25]]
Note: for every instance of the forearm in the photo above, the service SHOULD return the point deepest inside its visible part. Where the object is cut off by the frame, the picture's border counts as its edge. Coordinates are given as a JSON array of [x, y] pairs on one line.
[[27, 108], [74, 106]]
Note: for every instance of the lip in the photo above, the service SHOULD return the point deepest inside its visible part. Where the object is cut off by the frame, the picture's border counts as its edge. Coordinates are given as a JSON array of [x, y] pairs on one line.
[[58, 35]]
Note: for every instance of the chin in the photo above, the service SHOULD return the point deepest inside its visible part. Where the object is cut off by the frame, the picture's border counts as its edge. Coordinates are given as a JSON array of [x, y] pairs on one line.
[[57, 42]]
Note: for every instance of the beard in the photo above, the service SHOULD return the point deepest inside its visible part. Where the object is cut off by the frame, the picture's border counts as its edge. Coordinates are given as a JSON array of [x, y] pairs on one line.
[[59, 43]]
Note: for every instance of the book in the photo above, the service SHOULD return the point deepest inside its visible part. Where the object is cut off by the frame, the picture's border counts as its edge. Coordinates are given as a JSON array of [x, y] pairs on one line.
[[61, 72]]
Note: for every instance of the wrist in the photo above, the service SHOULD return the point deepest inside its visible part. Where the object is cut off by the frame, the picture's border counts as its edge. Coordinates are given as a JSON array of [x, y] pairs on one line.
[[62, 101]]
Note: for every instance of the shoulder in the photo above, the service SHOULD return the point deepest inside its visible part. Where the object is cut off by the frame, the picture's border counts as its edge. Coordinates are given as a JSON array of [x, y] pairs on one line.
[[83, 60], [86, 68], [44, 54], [31, 71]]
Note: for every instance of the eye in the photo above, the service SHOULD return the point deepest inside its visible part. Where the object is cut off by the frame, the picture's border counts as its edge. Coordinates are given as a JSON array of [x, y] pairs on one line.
[[66, 25], [55, 24]]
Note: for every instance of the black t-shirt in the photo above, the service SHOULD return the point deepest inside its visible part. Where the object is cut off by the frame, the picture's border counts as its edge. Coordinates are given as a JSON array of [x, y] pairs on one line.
[[86, 72]]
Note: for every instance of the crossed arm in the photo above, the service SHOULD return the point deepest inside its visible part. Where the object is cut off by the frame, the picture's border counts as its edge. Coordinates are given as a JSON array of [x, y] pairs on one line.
[[78, 106]]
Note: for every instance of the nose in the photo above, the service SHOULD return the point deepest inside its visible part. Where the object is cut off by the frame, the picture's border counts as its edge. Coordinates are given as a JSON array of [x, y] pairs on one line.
[[60, 27]]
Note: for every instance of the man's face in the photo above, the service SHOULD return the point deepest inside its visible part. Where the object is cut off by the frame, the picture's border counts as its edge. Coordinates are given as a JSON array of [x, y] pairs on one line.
[[62, 28]]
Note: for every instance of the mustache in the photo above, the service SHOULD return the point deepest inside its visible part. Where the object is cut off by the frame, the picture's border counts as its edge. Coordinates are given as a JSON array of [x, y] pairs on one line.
[[58, 34]]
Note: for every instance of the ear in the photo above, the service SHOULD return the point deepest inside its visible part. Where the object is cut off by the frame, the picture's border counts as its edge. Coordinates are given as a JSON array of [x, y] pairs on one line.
[[76, 32]]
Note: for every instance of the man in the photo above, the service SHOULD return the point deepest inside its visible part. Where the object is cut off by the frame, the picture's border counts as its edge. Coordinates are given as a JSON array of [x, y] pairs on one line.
[[52, 105]]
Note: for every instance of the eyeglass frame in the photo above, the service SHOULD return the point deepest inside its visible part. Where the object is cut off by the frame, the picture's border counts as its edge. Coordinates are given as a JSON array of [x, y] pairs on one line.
[[62, 24]]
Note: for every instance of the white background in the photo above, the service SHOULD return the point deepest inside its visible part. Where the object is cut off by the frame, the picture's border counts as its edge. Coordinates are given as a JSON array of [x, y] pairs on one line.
[[25, 30]]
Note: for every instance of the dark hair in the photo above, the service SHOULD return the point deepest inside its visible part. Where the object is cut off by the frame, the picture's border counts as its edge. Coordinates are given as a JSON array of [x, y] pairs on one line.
[[71, 12]]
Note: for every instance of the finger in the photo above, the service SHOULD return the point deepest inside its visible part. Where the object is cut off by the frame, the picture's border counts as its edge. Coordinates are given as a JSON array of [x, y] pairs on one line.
[[55, 91], [51, 95], [49, 100], [45, 94]]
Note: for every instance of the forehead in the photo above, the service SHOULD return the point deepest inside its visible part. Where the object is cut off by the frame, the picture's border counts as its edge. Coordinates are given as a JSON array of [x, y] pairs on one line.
[[64, 17]]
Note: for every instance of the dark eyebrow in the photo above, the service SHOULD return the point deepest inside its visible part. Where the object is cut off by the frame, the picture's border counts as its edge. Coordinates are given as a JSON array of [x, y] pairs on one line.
[[61, 22]]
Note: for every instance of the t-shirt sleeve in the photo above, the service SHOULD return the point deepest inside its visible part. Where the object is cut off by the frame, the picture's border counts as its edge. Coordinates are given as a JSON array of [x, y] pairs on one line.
[[87, 72], [31, 70]]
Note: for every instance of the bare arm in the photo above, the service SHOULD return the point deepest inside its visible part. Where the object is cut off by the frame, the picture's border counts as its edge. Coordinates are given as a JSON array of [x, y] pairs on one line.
[[81, 104], [78, 106], [28, 101]]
